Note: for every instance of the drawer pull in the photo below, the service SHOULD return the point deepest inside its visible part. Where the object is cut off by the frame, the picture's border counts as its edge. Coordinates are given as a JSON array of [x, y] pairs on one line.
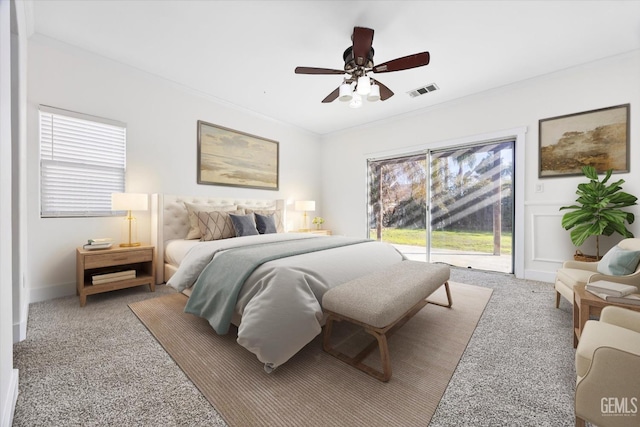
[[123, 258]]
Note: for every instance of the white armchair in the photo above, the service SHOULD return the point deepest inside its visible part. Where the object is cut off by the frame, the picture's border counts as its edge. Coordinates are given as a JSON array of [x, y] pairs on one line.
[[575, 273], [608, 370]]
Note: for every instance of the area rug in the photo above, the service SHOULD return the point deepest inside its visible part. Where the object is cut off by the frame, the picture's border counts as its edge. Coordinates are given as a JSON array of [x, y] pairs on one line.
[[314, 388]]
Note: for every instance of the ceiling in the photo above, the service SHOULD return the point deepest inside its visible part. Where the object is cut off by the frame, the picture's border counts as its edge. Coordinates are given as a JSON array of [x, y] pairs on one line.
[[245, 52]]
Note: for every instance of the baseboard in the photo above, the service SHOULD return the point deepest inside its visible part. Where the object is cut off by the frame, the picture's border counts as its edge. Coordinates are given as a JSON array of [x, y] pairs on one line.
[[20, 330], [9, 405], [540, 275], [51, 292]]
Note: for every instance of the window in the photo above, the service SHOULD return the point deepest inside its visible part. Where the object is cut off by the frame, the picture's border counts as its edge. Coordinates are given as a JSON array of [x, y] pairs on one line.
[[82, 161]]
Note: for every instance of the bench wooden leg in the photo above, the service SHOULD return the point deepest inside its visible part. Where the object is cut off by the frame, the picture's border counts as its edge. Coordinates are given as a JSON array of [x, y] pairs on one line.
[[326, 337], [449, 300], [356, 361], [385, 360], [381, 335]]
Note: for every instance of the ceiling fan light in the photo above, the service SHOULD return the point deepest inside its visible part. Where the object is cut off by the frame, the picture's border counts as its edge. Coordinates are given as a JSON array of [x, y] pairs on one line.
[[356, 102], [345, 92], [374, 94], [364, 85]]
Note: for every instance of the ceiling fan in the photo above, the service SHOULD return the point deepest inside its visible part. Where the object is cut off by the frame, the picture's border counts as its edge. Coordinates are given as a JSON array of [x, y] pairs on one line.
[[358, 61]]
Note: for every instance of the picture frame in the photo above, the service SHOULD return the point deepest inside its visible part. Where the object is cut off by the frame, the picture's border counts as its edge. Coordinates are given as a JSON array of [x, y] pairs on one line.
[[598, 138], [232, 158]]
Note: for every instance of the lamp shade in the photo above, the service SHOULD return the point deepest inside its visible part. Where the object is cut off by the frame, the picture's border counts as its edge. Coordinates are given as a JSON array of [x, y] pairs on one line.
[[364, 85], [129, 201], [374, 94], [305, 205], [345, 92], [356, 102]]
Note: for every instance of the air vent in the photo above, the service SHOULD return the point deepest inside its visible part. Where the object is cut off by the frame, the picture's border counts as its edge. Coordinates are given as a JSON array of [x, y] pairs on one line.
[[423, 90]]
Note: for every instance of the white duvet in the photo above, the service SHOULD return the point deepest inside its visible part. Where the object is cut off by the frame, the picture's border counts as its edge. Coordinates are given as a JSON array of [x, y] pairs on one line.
[[279, 305]]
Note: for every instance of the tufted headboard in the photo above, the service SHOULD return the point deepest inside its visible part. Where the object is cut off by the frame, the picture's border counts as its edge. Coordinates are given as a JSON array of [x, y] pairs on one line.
[[169, 218]]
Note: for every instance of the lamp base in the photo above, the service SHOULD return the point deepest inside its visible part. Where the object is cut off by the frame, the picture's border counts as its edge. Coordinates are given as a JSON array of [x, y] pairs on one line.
[[129, 245]]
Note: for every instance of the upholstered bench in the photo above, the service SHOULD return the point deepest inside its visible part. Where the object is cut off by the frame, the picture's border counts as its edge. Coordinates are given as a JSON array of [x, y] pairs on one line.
[[381, 303]]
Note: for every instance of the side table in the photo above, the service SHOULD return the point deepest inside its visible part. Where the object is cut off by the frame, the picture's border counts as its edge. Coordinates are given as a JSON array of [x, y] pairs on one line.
[[585, 305], [117, 259], [322, 232]]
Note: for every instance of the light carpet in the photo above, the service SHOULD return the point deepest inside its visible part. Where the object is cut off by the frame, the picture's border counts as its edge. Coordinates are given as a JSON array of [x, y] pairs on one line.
[[313, 388]]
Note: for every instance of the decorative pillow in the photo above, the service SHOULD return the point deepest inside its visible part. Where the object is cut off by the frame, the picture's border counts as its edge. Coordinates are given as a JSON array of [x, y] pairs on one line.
[[192, 211], [265, 224], [278, 217], [244, 225], [619, 262], [216, 225]]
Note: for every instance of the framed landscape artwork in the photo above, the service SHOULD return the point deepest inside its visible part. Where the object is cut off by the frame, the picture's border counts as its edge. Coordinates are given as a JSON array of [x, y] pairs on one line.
[[237, 159], [598, 138]]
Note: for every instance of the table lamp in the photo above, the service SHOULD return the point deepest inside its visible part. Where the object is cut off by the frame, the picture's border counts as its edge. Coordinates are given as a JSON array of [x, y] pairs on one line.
[[130, 202], [305, 205]]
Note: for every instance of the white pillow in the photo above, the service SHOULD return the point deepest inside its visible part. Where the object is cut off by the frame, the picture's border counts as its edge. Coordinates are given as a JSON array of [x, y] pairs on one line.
[[192, 211]]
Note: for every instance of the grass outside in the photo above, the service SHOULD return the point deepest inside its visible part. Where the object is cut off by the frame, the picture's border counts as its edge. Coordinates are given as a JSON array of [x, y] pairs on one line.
[[454, 240]]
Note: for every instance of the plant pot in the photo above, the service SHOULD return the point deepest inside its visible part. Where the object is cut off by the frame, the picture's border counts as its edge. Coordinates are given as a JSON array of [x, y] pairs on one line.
[[579, 256]]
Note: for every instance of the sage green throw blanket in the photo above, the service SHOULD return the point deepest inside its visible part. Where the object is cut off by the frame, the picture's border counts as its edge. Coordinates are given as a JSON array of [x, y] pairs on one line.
[[215, 293]]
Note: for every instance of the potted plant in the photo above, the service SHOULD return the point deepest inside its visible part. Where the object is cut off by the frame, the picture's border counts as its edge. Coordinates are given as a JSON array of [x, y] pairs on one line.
[[318, 221], [598, 211]]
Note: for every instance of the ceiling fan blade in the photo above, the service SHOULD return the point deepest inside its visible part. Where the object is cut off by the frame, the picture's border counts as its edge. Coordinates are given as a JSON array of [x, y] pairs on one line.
[[313, 70], [385, 92], [404, 63], [333, 96], [362, 41]]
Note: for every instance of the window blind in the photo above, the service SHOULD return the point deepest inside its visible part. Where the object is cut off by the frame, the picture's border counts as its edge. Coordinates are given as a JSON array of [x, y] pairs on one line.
[[82, 161]]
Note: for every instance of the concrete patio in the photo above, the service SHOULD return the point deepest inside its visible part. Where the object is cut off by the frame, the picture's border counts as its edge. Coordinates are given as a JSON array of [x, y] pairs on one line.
[[465, 259]]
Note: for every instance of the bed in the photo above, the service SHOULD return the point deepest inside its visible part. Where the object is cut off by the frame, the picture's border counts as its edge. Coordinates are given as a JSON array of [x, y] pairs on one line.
[[279, 277]]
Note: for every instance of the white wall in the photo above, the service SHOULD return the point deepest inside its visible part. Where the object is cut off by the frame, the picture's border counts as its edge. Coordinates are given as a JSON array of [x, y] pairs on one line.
[[19, 169], [604, 83], [161, 118], [161, 149], [8, 375]]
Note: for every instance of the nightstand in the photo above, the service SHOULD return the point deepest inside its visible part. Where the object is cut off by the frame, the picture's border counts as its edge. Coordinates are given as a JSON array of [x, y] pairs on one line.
[[116, 268], [312, 231]]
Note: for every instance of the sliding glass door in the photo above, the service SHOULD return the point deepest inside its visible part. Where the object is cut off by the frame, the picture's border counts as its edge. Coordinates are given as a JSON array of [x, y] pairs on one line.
[[397, 203], [453, 205], [471, 208]]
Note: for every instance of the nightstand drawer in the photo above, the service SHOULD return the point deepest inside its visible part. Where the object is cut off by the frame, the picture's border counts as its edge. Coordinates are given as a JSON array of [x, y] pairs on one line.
[[117, 258]]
